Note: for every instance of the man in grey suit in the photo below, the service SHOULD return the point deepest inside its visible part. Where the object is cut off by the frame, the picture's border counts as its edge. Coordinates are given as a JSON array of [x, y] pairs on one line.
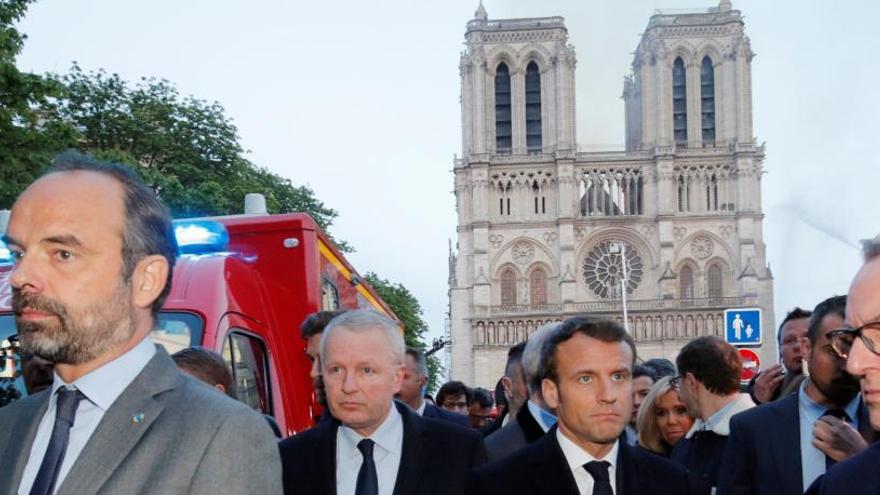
[[94, 250]]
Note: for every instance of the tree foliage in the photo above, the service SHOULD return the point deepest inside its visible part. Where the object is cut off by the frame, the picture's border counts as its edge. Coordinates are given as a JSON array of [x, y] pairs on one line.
[[409, 311]]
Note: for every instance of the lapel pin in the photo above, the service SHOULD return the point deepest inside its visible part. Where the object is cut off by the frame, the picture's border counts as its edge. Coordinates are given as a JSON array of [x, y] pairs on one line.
[[137, 418]]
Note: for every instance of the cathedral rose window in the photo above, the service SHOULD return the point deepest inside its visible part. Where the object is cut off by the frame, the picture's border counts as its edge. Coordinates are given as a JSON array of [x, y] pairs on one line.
[[603, 269]]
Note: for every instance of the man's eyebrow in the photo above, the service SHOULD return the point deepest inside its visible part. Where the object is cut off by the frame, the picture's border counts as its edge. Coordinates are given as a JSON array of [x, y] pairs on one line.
[[64, 240]]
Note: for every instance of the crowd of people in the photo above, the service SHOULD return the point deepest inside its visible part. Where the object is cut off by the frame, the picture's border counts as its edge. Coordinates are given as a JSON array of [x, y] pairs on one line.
[[575, 412]]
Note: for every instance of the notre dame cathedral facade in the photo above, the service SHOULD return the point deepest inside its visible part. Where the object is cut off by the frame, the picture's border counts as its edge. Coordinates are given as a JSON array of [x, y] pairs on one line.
[[544, 230]]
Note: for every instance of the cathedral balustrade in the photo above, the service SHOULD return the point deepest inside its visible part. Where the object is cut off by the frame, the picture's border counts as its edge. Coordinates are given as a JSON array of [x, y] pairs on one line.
[[615, 305], [679, 324]]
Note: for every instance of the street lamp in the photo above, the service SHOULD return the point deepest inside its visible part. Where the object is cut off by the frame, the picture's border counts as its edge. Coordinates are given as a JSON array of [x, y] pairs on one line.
[[620, 248]]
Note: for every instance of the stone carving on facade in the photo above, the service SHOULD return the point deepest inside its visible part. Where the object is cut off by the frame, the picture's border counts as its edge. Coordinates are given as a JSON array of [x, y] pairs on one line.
[[523, 252], [580, 233], [648, 231], [495, 240], [550, 238], [679, 232], [603, 269], [702, 247], [725, 230], [481, 278]]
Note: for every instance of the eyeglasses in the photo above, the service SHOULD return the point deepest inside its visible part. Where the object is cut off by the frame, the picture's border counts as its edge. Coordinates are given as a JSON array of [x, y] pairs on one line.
[[675, 381], [842, 339]]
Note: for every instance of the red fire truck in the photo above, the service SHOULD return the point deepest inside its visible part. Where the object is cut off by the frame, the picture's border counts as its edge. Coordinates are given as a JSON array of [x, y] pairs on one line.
[[242, 286]]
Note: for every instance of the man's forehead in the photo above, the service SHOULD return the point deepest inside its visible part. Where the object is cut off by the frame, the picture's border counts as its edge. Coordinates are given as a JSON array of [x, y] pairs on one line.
[[65, 199], [863, 301]]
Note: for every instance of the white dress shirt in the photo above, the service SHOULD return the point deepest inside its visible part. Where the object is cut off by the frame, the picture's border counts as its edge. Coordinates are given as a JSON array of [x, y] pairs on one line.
[[386, 454], [101, 388], [421, 410], [577, 457]]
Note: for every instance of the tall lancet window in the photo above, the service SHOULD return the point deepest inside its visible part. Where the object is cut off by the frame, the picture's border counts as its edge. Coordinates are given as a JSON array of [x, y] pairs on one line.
[[533, 108], [679, 103], [686, 283], [503, 128], [508, 287], [707, 98]]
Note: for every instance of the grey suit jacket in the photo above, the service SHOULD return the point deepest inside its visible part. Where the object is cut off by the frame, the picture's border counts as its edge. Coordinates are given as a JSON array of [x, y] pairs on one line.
[[191, 440]]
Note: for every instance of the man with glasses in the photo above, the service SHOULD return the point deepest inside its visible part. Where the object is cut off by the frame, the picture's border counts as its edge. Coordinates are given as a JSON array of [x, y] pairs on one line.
[[783, 447], [859, 343], [783, 378]]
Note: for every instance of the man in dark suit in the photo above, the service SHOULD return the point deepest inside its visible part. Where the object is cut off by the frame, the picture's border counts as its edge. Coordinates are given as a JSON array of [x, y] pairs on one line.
[[533, 417], [415, 377], [783, 379], [587, 378], [859, 343], [783, 447], [95, 250], [374, 445]]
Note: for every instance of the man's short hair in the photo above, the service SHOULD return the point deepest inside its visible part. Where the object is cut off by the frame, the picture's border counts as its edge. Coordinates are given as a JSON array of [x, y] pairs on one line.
[[207, 366], [454, 388], [713, 362], [644, 370], [832, 306], [147, 229], [662, 367], [483, 397], [598, 328], [514, 358], [419, 359], [363, 320], [316, 322], [795, 314], [871, 248], [531, 358]]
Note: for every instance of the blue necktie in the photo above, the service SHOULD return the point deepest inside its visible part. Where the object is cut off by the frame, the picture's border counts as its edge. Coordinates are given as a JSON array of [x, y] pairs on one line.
[[601, 479], [65, 412], [368, 480]]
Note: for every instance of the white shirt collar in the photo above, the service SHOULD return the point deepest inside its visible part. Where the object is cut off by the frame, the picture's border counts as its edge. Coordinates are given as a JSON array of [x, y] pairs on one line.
[[719, 423], [387, 436], [104, 385], [421, 409], [577, 457]]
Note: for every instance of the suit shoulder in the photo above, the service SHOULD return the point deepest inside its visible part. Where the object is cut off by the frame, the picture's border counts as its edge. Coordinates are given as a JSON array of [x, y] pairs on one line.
[[26, 404], [437, 427], [764, 412], [516, 462], [305, 439]]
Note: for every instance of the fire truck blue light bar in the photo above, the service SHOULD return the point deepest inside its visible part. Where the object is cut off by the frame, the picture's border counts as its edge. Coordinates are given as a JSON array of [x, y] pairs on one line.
[[201, 237]]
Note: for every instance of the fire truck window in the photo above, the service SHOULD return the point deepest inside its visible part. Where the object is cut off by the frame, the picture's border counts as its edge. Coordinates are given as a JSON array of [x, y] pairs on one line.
[[247, 357], [177, 331], [11, 383], [330, 300]]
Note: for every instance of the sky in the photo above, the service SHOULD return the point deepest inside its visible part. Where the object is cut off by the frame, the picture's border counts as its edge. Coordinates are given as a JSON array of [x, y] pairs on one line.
[[360, 101]]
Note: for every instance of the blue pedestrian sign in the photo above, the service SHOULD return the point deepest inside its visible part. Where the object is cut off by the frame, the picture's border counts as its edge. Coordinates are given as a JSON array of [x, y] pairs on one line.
[[743, 326]]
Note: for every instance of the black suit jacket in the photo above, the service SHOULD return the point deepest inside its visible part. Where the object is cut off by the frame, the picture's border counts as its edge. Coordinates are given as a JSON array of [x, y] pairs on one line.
[[763, 453], [858, 475], [541, 468], [521, 431], [436, 457], [434, 412]]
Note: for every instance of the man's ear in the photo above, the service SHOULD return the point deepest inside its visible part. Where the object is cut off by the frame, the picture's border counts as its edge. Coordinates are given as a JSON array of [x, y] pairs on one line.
[[550, 391], [806, 348], [148, 280], [507, 384]]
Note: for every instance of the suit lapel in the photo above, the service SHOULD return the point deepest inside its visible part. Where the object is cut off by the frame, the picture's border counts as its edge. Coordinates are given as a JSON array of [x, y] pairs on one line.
[[123, 425], [785, 433], [412, 456], [550, 474], [625, 476], [324, 459], [529, 425], [22, 432]]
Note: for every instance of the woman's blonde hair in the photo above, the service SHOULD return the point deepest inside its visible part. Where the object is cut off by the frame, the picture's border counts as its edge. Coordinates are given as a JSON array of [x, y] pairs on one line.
[[646, 419]]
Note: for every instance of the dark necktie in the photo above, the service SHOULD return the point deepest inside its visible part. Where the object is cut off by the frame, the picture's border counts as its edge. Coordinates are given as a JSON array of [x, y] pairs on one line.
[[368, 480], [839, 414], [65, 412], [601, 482]]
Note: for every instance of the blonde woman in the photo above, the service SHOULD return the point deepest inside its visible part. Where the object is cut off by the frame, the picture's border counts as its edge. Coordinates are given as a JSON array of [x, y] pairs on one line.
[[662, 419]]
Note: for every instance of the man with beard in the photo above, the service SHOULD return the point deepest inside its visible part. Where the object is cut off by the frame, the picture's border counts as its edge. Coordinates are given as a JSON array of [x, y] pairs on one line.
[[783, 447], [93, 251], [859, 343]]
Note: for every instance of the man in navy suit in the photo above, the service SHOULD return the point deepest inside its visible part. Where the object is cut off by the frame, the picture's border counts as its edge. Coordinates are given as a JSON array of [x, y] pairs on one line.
[[859, 342], [586, 369], [373, 445], [415, 378], [783, 447]]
